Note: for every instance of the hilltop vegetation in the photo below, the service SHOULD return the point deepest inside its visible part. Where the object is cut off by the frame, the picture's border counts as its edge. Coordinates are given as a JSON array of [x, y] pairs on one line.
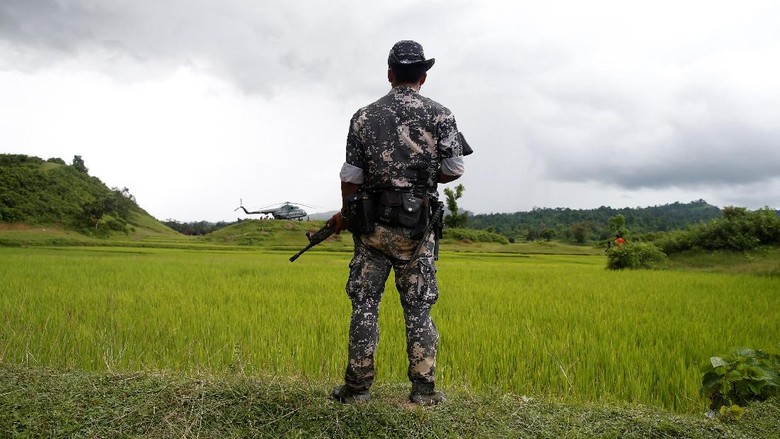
[[584, 225], [34, 191]]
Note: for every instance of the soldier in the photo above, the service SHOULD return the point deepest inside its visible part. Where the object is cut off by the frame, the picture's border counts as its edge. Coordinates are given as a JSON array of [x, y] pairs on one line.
[[398, 149]]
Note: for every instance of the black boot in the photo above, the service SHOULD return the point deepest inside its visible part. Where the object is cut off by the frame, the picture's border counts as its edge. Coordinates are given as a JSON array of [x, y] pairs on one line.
[[346, 395], [425, 395]]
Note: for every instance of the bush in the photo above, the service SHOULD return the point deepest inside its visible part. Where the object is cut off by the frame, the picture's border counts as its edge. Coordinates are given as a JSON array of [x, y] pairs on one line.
[[634, 256], [743, 376], [675, 241], [474, 235], [737, 230]]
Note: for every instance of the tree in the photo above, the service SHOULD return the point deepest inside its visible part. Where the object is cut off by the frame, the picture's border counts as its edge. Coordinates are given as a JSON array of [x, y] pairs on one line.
[[547, 234], [454, 219], [580, 232], [617, 223], [78, 164], [93, 211]]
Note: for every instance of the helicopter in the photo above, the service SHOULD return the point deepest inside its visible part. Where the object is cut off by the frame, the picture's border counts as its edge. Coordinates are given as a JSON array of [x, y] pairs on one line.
[[284, 210]]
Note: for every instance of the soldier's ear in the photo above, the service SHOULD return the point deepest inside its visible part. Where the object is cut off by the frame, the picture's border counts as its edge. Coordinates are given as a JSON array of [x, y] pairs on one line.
[[422, 79], [390, 76]]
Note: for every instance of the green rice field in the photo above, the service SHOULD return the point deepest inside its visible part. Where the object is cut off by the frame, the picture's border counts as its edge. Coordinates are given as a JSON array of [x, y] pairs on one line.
[[550, 326]]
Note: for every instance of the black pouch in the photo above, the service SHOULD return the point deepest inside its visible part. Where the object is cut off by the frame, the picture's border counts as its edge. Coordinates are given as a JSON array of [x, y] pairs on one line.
[[410, 211], [359, 213], [400, 209], [387, 207]]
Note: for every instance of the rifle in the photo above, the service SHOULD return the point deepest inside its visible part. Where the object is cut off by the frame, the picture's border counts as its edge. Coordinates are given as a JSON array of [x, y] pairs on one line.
[[316, 238]]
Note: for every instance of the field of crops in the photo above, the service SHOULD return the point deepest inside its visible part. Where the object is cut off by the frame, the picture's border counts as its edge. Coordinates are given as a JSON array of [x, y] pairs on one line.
[[543, 325]]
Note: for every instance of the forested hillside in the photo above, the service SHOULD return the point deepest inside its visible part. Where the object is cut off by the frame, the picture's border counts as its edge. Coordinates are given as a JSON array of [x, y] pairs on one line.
[[592, 224], [51, 192]]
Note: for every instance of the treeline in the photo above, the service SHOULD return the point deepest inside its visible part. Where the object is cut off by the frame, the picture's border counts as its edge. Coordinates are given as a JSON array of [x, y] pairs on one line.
[[37, 191], [588, 225], [198, 228]]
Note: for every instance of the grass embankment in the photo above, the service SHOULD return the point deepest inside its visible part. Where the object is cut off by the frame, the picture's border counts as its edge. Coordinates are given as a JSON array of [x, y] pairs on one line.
[[41, 403]]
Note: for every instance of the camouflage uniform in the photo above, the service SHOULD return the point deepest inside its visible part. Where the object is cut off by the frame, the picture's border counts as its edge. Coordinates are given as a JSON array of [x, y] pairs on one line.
[[399, 143], [401, 136]]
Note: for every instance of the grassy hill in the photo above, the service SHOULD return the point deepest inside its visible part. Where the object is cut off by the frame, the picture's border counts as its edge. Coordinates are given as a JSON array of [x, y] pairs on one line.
[[51, 196], [275, 234]]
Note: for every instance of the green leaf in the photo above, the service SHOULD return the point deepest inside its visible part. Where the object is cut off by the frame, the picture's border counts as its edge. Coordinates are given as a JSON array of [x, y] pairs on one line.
[[710, 378], [745, 352], [755, 388], [718, 362]]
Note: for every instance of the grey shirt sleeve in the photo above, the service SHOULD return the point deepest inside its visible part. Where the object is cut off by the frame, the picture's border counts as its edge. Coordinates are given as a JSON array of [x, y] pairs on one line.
[[351, 174], [453, 166]]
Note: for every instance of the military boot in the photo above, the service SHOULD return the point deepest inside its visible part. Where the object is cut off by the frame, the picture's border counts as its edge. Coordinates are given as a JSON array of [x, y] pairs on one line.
[[346, 395], [425, 395]]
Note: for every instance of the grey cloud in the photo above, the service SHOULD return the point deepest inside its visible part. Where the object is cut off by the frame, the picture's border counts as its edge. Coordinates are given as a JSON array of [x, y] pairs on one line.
[[56, 25], [692, 158], [254, 45], [652, 132]]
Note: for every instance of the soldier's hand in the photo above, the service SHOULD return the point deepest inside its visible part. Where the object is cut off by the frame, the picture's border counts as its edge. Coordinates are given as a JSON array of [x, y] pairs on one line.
[[337, 220]]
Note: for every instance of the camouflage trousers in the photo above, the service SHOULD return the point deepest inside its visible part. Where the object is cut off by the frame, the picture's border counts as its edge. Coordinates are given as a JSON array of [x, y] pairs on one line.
[[375, 254]]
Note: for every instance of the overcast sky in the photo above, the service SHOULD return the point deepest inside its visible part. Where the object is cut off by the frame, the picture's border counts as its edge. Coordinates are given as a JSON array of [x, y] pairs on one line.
[[194, 105]]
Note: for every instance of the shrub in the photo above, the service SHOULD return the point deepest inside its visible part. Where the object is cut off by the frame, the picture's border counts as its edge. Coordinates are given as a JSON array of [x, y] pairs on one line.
[[474, 235], [675, 242], [743, 376], [635, 255], [738, 230]]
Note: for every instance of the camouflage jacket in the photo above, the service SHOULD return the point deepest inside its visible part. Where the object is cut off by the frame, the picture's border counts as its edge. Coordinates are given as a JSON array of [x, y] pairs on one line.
[[400, 140]]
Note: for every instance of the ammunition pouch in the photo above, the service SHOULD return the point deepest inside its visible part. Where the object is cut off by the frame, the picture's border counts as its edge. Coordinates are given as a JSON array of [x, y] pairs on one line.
[[359, 213], [403, 209]]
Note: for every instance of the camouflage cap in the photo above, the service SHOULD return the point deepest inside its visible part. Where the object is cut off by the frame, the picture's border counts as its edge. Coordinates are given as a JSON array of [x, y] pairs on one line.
[[407, 53]]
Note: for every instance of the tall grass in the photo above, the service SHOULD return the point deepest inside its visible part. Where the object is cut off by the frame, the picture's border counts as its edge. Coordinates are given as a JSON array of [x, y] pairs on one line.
[[558, 326]]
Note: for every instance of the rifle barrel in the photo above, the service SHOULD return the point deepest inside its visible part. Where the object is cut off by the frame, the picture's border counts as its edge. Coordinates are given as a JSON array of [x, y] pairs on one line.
[[315, 238], [295, 256]]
